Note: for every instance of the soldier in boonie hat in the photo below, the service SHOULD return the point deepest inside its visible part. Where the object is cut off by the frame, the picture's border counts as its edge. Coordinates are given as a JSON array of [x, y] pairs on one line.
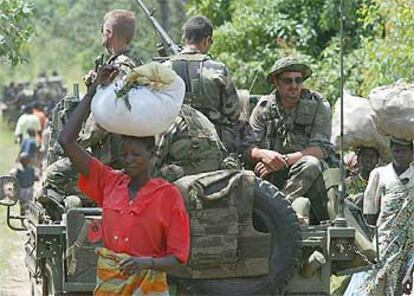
[[291, 129], [291, 64]]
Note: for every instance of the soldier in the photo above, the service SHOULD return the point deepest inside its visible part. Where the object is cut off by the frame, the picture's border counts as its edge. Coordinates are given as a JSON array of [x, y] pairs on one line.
[[209, 87], [117, 33], [190, 146], [291, 131]]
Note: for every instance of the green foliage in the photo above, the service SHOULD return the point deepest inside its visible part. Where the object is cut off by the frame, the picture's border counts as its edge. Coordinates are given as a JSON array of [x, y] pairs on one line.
[[389, 52], [68, 37], [16, 28], [250, 35], [218, 11], [262, 31]]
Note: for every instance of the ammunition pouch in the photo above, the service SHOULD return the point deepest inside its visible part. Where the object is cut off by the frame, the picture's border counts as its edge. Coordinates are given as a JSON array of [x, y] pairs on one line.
[[83, 237]]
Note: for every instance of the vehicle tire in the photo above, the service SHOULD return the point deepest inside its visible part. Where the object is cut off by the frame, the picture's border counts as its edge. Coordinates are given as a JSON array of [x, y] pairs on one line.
[[272, 213]]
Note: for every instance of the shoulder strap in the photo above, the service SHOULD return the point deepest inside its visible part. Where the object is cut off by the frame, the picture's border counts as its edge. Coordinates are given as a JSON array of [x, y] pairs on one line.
[[190, 70]]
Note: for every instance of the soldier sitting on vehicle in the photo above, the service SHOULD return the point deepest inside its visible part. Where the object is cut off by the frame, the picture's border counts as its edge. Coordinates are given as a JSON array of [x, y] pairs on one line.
[[291, 132], [209, 87], [190, 146], [117, 34]]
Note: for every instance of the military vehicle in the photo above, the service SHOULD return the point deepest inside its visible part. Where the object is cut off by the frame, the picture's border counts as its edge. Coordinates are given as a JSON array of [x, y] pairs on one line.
[[245, 240]]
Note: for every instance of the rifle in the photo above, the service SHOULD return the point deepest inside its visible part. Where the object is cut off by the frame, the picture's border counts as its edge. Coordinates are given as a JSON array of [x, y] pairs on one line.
[[99, 61], [167, 43]]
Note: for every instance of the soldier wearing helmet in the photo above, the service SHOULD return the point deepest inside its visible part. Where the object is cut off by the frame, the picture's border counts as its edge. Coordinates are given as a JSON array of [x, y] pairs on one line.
[[291, 132]]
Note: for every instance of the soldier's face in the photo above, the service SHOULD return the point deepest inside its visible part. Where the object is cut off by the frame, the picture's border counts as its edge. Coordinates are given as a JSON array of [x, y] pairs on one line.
[[402, 155], [289, 85], [106, 32]]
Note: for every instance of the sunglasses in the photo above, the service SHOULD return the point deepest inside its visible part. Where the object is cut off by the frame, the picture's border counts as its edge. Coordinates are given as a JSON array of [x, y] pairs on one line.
[[288, 80]]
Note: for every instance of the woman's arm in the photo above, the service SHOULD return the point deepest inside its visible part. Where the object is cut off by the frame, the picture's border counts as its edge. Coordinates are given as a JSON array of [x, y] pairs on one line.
[[134, 265], [68, 137]]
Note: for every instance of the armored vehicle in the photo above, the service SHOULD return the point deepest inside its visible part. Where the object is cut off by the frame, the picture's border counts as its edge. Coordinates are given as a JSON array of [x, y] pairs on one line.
[[245, 240]]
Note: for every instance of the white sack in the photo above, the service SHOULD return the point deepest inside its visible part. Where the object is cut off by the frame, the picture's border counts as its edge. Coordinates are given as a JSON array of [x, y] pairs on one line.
[[152, 111], [359, 127], [394, 110]]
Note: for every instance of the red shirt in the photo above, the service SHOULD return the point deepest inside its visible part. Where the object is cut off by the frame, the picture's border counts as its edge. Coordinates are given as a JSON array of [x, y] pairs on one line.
[[154, 224]]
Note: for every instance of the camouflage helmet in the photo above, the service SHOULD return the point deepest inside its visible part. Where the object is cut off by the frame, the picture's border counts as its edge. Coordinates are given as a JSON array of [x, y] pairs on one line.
[[289, 64]]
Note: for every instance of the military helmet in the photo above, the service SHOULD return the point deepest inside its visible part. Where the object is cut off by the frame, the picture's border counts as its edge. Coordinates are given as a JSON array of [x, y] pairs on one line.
[[289, 64]]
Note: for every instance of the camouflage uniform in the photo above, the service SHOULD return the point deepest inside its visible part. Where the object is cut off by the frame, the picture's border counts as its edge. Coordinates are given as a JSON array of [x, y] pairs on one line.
[[105, 146], [190, 146], [210, 90], [284, 131]]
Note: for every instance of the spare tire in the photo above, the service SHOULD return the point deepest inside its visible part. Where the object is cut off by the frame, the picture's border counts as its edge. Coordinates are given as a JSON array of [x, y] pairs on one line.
[[271, 213]]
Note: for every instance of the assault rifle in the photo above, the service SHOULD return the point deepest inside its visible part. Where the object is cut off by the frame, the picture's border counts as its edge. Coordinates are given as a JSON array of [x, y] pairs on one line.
[[168, 44]]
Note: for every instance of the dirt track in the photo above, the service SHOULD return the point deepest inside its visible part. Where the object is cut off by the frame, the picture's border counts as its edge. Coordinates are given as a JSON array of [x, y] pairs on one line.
[[14, 278]]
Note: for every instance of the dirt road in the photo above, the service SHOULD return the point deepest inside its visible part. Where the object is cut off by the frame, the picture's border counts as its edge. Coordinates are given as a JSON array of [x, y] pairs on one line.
[[14, 278]]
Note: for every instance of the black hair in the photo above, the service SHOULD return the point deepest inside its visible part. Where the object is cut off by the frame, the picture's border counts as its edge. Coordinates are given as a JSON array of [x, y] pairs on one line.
[[196, 29], [28, 109], [148, 142], [37, 105], [361, 148]]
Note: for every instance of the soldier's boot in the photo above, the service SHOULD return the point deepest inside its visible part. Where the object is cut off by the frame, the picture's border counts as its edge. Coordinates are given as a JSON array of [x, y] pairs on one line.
[[302, 207], [72, 201]]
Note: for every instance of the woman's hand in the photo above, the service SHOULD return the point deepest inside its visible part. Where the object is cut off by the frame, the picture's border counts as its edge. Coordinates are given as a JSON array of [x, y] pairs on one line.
[[134, 265], [106, 74]]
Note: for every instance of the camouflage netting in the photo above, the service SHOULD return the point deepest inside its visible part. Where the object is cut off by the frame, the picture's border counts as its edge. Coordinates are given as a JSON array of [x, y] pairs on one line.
[[393, 107], [359, 127]]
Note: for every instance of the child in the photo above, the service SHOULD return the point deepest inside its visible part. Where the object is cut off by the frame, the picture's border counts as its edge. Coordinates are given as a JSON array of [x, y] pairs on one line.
[[25, 175], [29, 145]]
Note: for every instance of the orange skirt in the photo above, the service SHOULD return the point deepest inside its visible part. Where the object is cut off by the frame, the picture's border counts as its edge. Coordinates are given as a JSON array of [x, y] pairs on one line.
[[110, 282]]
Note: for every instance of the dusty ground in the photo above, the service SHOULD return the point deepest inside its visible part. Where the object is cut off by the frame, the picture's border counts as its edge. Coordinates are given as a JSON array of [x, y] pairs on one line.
[[14, 278]]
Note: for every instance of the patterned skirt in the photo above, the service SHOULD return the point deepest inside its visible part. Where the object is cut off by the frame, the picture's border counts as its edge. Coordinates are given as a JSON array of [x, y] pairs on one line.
[[111, 282]]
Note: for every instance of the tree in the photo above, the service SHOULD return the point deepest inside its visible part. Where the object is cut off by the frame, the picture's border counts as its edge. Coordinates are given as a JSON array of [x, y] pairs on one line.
[[16, 28], [262, 31]]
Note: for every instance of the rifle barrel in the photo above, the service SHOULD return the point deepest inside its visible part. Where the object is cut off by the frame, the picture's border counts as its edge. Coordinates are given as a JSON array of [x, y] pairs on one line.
[[168, 43]]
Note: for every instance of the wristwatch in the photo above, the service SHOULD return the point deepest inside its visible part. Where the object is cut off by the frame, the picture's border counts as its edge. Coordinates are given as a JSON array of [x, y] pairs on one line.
[[286, 158]]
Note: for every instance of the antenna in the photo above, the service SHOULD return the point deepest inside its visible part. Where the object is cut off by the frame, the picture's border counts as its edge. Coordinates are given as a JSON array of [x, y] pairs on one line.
[[340, 218]]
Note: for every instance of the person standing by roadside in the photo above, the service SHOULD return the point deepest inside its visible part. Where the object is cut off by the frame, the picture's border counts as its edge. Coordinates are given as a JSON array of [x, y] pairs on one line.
[[389, 204], [25, 122], [26, 176], [154, 234]]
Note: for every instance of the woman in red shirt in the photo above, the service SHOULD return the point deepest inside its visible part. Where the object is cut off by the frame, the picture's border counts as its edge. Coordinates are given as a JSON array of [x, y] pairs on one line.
[[144, 222]]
